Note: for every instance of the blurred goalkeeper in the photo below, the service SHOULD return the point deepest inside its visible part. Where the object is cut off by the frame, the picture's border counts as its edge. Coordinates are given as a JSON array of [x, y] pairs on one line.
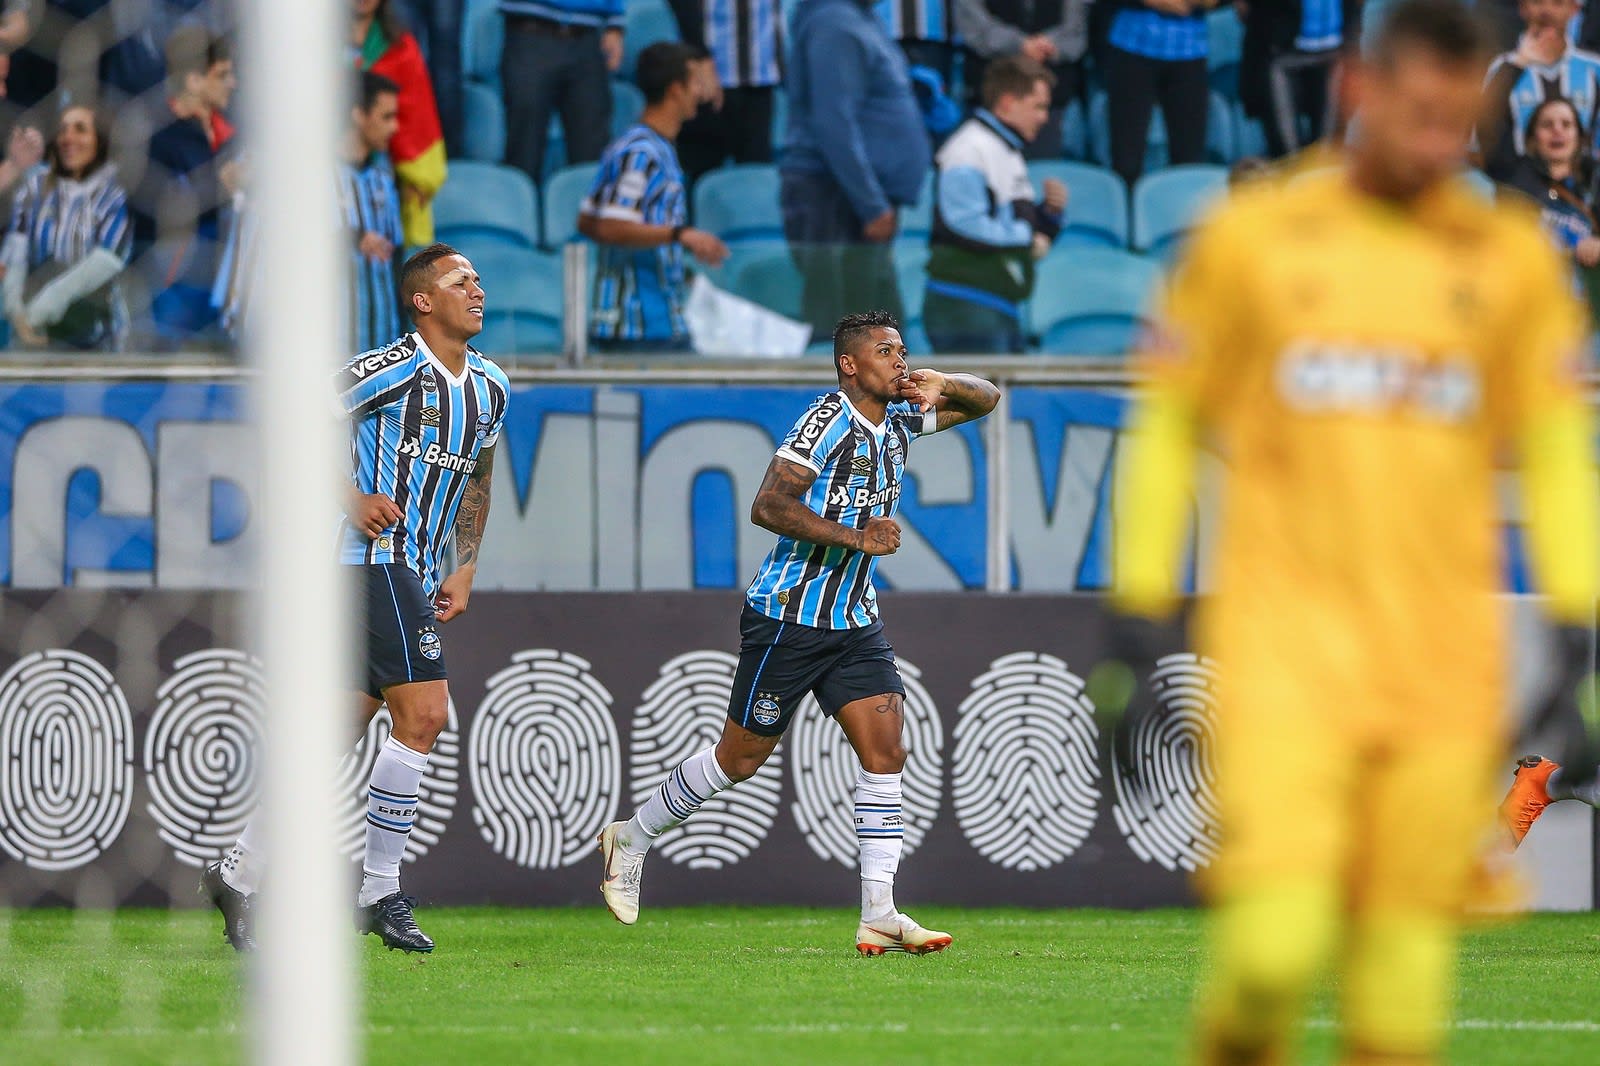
[[1361, 346]]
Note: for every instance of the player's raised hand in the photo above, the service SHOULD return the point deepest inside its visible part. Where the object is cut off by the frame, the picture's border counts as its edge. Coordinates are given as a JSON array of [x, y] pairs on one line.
[[372, 512], [922, 387], [454, 592], [881, 536]]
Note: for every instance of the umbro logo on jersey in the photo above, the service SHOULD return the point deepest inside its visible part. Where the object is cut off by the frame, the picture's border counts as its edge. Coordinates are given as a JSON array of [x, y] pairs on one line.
[[430, 416], [861, 464]]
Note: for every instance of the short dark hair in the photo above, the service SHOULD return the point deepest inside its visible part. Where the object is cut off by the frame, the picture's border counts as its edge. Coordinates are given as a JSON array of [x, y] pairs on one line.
[[1449, 29], [660, 67], [191, 49], [370, 86], [1013, 76], [418, 272], [853, 327]]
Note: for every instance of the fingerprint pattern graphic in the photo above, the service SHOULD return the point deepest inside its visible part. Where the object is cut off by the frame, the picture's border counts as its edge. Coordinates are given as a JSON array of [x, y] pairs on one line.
[[823, 769], [1169, 815], [66, 760], [545, 760], [436, 796], [1026, 775], [682, 713], [200, 752]]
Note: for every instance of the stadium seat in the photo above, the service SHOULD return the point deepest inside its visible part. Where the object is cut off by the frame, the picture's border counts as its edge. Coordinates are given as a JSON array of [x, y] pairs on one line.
[[487, 200], [1250, 139], [1225, 46], [771, 280], [1091, 301], [916, 220], [780, 122], [1166, 203], [483, 35], [522, 301], [648, 21], [739, 202], [911, 274], [563, 193], [485, 134], [1097, 203], [627, 104], [1220, 140]]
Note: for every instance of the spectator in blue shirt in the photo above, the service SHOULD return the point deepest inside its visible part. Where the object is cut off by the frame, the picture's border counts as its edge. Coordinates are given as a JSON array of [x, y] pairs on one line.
[[1286, 72], [558, 55], [636, 212], [856, 151], [1157, 55], [744, 39]]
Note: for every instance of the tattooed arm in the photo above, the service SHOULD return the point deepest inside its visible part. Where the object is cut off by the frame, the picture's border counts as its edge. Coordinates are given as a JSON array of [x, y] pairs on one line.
[[779, 508], [471, 518], [957, 397]]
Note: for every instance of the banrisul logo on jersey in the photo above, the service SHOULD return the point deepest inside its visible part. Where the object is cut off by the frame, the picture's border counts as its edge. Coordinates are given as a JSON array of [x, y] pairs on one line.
[[434, 455]]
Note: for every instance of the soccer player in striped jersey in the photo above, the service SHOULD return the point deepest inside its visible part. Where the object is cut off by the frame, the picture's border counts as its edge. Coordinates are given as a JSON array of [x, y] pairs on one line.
[[425, 415], [810, 621]]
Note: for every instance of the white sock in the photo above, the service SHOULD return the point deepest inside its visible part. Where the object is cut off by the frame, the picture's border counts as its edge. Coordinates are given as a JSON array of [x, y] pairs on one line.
[[1557, 789], [242, 866], [697, 779], [391, 811], [880, 832]]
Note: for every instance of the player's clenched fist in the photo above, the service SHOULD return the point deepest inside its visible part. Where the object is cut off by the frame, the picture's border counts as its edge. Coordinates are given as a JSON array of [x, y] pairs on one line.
[[372, 513], [881, 536]]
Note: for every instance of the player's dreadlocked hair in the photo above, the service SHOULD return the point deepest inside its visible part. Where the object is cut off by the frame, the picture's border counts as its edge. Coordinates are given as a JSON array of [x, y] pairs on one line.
[[853, 327], [1447, 28], [417, 274]]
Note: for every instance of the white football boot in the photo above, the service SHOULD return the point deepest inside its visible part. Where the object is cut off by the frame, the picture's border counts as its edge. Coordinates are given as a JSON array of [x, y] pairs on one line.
[[897, 932], [623, 871]]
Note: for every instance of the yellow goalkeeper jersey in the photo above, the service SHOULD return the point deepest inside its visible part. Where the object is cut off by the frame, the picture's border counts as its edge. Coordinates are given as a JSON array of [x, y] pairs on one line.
[[1360, 367]]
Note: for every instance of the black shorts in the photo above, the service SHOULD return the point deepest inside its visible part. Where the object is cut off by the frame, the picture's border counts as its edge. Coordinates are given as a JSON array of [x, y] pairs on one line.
[[402, 631], [779, 662]]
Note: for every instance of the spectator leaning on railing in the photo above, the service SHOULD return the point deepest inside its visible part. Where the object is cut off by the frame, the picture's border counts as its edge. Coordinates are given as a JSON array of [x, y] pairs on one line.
[[856, 151], [637, 211], [68, 241], [988, 225]]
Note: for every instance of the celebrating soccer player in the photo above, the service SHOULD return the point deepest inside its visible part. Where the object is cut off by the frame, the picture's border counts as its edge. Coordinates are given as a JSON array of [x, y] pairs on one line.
[[1362, 345], [425, 414], [810, 621]]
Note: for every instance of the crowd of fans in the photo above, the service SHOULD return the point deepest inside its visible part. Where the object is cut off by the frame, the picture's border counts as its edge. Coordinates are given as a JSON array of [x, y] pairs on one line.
[[129, 224]]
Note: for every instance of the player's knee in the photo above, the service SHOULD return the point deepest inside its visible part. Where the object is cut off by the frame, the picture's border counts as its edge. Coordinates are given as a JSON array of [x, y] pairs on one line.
[[420, 727], [888, 759], [739, 765]]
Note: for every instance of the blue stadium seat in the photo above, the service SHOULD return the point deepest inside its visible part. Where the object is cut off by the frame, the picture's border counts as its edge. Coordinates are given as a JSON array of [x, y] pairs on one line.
[[1250, 139], [1225, 46], [1220, 141], [780, 122], [739, 202], [522, 299], [627, 104], [771, 280], [1097, 203], [563, 193], [648, 21], [1167, 202], [1091, 301], [483, 35], [911, 274], [485, 133], [487, 200], [916, 220]]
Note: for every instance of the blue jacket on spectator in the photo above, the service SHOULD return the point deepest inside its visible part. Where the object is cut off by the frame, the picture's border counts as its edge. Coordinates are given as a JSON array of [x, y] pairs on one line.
[[597, 13], [852, 113]]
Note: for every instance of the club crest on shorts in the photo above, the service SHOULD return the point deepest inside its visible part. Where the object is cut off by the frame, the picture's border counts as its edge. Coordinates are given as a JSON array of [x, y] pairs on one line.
[[428, 643], [385, 543], [765, 710]]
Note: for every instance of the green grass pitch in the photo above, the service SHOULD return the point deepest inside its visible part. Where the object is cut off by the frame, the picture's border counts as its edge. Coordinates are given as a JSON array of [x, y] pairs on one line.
[[761, 985]]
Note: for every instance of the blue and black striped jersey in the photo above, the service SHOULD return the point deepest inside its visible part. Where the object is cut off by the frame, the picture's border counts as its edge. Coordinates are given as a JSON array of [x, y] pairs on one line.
[[370, 203], [416, 432], [639, 292], [860, 468]]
